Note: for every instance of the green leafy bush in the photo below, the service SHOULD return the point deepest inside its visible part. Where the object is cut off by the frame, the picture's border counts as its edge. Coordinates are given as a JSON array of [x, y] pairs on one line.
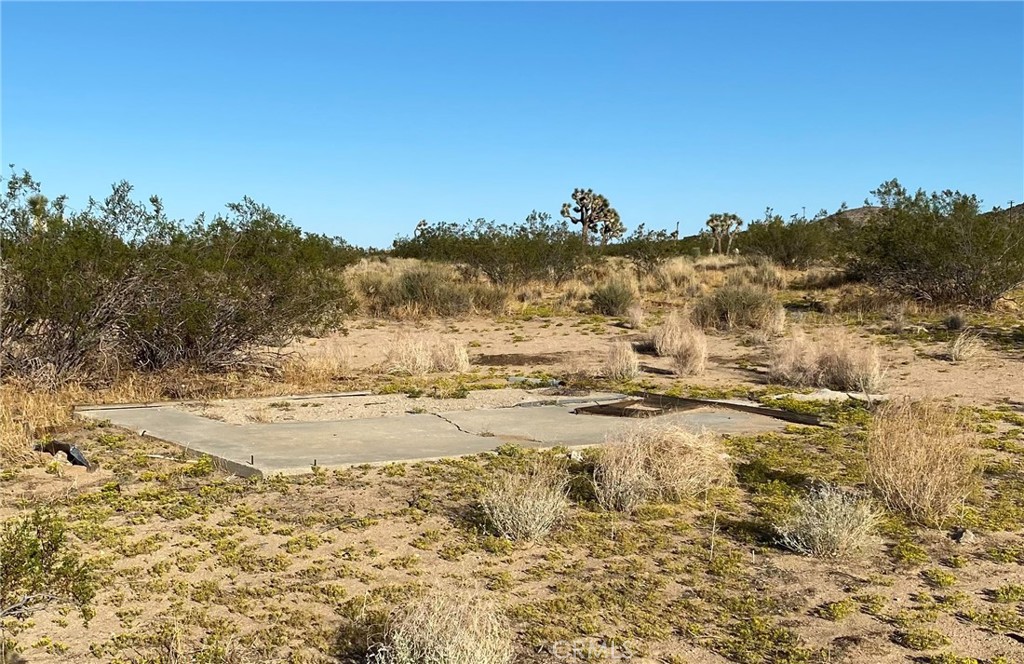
[[939, 247], [739, 305], [38, 566], [508, 255], [120, 283], [798, 243], [613, 297]]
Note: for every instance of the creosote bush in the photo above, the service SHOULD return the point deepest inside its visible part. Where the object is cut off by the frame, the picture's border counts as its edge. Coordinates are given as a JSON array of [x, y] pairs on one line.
[[614, 297], [446, 628], [655, 461], [120, 286], [828, 523], [835, 362], [526, 505], [426, 353], [919, 460], [740, 305], [622, 362]]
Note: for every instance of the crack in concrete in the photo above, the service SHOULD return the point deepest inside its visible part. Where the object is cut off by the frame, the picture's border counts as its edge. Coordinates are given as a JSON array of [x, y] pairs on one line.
[[471, 433]]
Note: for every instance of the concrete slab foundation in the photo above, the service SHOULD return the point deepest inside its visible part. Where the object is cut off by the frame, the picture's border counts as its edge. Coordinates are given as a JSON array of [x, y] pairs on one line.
[[294, 447]]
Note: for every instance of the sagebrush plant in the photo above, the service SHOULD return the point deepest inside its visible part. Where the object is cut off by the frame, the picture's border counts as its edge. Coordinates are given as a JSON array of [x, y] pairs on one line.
[[836, 361], [622, 362], [740, 305], [446, 628], [828, 523], [658, 461], [526, 505], [416, 355], [613, 297], [920, 461]]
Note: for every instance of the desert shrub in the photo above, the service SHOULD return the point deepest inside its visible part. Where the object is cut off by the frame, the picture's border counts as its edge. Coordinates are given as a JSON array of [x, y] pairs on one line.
[[120, 284], [668, 337], [508, 254], [658, 462], [828, 523], [798, 243], [614, 297], [739, 305], [416, 355], [686, 345], [39, 566], [648, 250], [448, 628], [635, 316], [677, 274], [426, 290], [919, 460], [939, 247], [526, 505], [622, 362], [691, 356], [955, 321], [964, 346], [835, 362], [764, 272]]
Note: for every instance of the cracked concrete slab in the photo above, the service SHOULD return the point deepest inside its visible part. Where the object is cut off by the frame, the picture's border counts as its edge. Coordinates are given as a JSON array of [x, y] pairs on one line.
[[294, 447]]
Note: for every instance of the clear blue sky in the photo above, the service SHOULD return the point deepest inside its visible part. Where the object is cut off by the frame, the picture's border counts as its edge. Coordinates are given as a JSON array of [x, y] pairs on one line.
[[360, 119]]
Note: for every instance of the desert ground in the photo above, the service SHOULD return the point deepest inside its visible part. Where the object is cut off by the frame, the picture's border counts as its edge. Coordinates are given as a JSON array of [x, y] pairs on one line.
[[196, 565]]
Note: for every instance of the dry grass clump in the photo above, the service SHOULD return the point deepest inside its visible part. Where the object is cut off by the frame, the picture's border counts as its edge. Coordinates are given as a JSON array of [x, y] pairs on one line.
[[622, 362], [635, 316], [676, 275], [686, 345], [955, 321], [526, 505], [835, 362], [659, 462], [919, 460], [740, 305], [420, 290], [762, 271], [446, 628], [317, 364], [419, 355], [964, 346], [613, 297], [691, 358], [828, 523]]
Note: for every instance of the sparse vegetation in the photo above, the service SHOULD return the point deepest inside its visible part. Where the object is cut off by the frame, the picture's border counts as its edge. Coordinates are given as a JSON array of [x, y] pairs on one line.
[[423, 354], [965, 346]]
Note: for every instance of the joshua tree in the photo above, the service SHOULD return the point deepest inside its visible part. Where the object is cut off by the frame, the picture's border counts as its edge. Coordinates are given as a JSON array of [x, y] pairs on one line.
[[723, 225], [594, 214]]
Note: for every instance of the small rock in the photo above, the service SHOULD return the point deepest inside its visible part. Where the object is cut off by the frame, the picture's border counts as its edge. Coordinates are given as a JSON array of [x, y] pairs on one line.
[[964, 536]]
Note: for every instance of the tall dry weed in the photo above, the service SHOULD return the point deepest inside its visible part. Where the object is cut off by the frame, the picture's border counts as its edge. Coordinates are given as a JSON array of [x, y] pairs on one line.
[[919, 460]]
